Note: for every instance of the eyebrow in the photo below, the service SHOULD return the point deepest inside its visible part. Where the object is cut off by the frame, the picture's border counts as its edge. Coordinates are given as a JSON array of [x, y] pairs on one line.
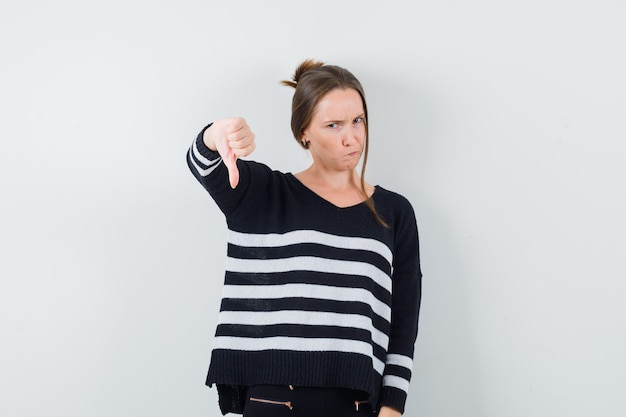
[[362, 116]]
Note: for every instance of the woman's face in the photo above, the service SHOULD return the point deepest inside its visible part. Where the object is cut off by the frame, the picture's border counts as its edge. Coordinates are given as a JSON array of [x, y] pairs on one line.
[[337, 130]]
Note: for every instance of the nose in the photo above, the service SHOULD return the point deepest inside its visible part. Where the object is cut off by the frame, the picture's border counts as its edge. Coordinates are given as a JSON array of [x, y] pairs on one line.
[[350, 138]]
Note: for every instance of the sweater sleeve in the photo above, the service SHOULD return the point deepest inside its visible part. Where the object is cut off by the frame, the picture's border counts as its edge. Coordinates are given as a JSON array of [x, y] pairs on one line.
[[207, 166], [406, 297]]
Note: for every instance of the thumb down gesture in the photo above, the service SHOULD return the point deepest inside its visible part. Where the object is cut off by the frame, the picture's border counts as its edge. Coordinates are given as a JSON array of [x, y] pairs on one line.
[[231, 138]]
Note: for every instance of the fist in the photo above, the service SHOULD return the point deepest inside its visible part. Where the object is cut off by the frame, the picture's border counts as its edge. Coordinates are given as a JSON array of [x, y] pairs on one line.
[[231, 138]]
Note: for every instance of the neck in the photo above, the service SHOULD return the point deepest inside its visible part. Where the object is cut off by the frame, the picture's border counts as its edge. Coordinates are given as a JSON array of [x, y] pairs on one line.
[[343, 189], [336, 181]]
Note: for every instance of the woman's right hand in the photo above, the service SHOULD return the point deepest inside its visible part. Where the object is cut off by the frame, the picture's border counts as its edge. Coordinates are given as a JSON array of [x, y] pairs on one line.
[[231, 138]]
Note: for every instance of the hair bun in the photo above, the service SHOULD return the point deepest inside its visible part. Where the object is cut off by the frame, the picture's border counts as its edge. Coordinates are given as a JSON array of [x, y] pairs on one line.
[[305, 66]]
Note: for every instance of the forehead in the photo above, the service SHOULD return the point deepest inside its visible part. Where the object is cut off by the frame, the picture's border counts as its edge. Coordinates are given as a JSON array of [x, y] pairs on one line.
[[340, 103]]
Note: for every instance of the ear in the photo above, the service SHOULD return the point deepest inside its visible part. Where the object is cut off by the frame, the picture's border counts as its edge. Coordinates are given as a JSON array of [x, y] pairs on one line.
[[304, 140]]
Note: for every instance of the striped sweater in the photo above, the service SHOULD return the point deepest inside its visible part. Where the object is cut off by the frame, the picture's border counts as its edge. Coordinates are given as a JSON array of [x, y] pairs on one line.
[[314, 294]]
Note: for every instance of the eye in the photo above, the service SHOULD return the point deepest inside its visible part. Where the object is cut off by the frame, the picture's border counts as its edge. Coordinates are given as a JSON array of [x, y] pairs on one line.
[[333, 125], [358, 120]]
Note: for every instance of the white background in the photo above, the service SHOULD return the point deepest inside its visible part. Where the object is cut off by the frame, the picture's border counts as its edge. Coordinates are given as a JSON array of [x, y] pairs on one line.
[[503, 122]]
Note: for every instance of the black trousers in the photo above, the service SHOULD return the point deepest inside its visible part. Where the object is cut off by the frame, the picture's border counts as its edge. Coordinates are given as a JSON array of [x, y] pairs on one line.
[[290, 401]]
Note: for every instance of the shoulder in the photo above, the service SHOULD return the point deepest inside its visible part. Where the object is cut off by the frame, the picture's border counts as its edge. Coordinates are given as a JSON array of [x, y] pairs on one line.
[[396, 210], [390, 199]]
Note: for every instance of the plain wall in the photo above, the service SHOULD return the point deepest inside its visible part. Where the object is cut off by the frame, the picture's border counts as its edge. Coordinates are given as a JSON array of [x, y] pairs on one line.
[[503, 122]]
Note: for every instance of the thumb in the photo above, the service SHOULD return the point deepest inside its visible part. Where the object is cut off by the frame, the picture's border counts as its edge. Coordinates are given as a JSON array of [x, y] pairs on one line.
[[230, 161]]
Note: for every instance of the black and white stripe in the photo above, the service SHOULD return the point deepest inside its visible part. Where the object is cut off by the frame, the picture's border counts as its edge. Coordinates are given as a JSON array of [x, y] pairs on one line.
[[202, 165], [401, 375], [367, 327]]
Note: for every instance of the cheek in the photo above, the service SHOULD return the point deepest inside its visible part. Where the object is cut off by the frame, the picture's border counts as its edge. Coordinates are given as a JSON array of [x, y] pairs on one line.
[[324, 143]]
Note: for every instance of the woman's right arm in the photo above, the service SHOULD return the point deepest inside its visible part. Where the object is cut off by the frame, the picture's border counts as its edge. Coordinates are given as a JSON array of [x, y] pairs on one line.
[[213, 160]]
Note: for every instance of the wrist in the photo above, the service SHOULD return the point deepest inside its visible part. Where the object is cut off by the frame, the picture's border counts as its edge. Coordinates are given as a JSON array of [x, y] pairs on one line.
[[386, 411], [207, 138]]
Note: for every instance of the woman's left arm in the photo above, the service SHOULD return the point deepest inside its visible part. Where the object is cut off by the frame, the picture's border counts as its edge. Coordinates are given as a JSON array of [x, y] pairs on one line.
[[405, 305]]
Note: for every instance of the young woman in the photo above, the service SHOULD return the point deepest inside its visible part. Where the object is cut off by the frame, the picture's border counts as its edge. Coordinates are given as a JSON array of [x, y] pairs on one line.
[[323, 284]]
